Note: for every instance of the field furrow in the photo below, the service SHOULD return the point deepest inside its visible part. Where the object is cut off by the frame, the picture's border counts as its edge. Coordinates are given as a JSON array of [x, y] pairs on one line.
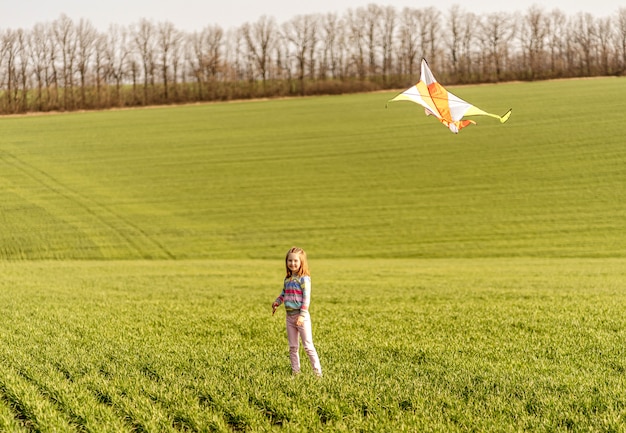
[[470, 282], [92, 219], [195, 182]]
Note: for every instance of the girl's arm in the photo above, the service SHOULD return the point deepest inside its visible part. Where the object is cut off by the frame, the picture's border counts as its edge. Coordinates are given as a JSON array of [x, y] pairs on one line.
[[278, 301]]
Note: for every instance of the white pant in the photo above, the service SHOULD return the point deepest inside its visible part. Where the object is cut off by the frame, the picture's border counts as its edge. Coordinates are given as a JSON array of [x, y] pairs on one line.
[[307, 341]]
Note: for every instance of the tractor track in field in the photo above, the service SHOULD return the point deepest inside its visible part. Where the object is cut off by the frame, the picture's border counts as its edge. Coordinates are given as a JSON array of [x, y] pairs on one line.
[[87, 204]]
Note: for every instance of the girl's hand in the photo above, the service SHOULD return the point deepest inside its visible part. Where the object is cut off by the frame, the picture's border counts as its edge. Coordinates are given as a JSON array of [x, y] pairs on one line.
[[274, 307], [300, 321]]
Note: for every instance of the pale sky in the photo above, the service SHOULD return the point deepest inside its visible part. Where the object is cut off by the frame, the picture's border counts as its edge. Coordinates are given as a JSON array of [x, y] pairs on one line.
[[191, 15]]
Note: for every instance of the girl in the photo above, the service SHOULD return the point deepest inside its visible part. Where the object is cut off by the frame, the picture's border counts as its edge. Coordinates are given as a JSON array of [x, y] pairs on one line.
[[296, 296]]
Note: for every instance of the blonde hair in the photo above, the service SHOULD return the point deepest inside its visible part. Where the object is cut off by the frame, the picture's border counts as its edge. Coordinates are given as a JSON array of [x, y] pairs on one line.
[[304, 264]]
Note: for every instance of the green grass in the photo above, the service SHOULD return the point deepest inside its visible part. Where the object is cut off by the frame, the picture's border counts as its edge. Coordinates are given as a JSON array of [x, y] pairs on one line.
[[469, 282], [342, 176], [424, 345]]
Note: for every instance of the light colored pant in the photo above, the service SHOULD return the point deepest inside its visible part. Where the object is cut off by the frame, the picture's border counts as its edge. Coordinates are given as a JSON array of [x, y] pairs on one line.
[[307, 341]]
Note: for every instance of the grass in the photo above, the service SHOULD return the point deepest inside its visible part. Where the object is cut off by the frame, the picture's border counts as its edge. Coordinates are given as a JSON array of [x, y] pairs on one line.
[[425, 345], [341, 175], [467, 282]]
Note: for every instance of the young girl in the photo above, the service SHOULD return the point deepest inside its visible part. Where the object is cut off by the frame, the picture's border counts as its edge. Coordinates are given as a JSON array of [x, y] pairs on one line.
[[296, 296]]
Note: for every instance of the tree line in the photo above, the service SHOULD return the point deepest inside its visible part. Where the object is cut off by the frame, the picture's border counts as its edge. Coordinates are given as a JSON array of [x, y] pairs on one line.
[[70, 65]]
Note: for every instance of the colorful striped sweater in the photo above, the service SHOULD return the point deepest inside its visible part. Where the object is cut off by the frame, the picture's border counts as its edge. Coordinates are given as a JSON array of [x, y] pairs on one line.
[[296, 295]]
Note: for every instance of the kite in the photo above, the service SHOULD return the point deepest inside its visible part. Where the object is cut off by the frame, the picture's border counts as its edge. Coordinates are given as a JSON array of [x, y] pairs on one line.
[[445, 106]]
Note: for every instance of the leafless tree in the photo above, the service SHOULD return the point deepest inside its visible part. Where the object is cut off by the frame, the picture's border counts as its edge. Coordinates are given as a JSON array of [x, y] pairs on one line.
[[23, 69], [86, 36], [178, 66], [37, 50], [8, 57], [453, 37], [583, 33], [116, 55], [533, 34], [557, 32], [236, 61], [260, 39], [64, 32], [168, 41], [332, 46], [145, 46], [388, 30], [409, 47], [621, 38], [205, 55], [468, 37], [497, 30], [103, 69], [213, 37], [603, 38], [371, 18], [46, 67], [430, 33], [301, 33], [355, 23]]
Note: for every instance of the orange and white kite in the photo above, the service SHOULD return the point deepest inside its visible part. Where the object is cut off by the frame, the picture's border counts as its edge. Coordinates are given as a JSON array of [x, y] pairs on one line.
[[445, 106]]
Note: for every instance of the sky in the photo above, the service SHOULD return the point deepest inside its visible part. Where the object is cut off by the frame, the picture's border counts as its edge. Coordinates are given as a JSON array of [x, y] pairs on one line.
[[192, 15]]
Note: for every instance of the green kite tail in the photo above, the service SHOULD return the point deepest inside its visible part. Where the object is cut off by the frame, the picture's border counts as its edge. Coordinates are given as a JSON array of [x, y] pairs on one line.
[[475, 111]]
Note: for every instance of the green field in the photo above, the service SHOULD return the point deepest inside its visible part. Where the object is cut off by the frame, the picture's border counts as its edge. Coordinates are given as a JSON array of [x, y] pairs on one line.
[[469, 282]]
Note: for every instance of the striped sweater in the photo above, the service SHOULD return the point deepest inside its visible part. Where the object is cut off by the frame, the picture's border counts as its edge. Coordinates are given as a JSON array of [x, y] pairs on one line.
[[296, 295]]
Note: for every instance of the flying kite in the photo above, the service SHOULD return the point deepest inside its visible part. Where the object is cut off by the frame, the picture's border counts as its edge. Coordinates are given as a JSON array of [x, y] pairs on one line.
[[445, 106]]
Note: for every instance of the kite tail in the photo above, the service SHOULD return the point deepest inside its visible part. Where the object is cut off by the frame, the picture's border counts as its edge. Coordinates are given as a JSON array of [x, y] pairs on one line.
[[475, 111], [506, 116], [502, 118]]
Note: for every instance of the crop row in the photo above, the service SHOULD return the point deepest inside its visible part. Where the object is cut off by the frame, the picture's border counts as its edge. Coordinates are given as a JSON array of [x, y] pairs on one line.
[[341, 176], [437, 345]]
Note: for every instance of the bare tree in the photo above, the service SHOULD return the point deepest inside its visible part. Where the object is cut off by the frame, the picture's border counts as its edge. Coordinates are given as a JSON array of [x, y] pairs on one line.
[[355, 23], [583, 35], [168, 40], [177, 54], [214, 37], [3, 48], [603, 38], [195, 58], [372, 18], [23, 66], [46, 67], [497, 30], [453, 38], [9, 57], [332, 51], [86, 36], [468, 38], [301, 35], [409, 32], [116, 57], [620, 38], [236, 59], [7, 61], [205, 55], [260, 39], [429, 24], [557, 32], [389, 20], [144, 41], [38, 59], [102, 68], [533, 35], [64, 33]]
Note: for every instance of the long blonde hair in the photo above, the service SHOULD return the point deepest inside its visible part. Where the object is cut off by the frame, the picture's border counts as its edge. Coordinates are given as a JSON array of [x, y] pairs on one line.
[[304, 264]]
